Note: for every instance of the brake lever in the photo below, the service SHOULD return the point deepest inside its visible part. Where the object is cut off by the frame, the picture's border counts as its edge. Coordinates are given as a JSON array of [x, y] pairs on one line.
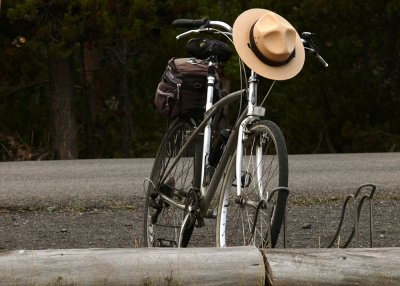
[[310, 46], [187, 33], [317, 55], [184, 34], [321, 60]]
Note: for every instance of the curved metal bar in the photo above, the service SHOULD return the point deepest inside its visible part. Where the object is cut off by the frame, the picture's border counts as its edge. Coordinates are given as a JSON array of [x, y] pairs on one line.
[[357, 214], [286, 190], [357, 220], [341, 219], [264, 203], [361, 187], [253, 228]]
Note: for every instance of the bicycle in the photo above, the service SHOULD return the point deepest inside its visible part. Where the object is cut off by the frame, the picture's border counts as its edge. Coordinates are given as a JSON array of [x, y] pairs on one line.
[[247, 163]]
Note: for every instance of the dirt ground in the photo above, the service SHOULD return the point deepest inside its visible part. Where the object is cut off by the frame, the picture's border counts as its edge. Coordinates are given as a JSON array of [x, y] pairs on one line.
[[310, 224]]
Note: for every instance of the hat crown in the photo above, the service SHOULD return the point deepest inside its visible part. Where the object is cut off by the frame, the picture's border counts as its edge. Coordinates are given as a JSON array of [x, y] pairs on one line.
[[268, 44], [274, 38]]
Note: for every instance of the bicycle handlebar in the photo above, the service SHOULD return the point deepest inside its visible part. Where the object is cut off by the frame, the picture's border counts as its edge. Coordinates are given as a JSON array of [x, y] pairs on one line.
[[203, 25], [309, 46], [200, 25], [190, 23]]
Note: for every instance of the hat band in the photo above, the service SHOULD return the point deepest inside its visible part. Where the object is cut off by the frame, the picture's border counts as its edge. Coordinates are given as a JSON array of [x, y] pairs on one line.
[[253, 46]]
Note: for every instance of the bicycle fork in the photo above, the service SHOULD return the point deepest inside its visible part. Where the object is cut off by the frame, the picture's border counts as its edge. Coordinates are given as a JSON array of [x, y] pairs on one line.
[[253, 113]]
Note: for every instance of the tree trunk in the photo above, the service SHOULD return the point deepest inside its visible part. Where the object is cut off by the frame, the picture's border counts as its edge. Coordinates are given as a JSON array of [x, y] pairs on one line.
[[125, 103], [329, 130], [87, 63], [63, 125]]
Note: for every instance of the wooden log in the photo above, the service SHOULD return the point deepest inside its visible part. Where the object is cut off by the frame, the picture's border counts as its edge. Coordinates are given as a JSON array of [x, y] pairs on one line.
[[333, 266], [190, 266], [201, 266]]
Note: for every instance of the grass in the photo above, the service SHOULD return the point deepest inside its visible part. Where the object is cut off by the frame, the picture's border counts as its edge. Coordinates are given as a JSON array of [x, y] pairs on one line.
[[338, 199], [79, 209]]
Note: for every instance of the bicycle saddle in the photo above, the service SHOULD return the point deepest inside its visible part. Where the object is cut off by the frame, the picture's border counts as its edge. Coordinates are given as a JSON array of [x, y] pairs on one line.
[[203, 48]]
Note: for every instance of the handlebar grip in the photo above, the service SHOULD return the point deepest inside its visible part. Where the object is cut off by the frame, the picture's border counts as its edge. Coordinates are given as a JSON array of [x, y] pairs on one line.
[[190, 23]]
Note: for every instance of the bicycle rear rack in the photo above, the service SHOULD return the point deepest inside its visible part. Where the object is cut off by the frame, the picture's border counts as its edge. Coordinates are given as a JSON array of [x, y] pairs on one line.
[[363, 193]]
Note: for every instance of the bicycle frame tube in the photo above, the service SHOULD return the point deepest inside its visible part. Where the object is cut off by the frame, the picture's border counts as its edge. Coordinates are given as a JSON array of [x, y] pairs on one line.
[[207, 131], [212, 111], [260, 168], [248, 115], [218, 173], [252, 96], [252, 102]]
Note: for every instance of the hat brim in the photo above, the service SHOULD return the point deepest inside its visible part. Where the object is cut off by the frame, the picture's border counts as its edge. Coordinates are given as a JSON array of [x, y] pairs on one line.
[[241, 32]]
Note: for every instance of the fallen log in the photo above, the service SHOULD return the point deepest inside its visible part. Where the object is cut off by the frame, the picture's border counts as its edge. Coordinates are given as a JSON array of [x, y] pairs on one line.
[[201, 266], [162, 266], [333, 266]]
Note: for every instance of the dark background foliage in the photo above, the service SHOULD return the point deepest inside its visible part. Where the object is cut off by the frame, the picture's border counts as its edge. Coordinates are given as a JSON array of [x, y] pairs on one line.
[[112, 53]]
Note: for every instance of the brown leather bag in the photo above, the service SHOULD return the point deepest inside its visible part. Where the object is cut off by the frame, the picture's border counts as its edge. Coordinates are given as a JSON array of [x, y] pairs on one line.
[[183, 88]]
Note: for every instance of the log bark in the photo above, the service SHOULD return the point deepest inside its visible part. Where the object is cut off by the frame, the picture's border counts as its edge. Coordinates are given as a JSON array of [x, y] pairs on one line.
[[201, 266], [358, 266], [146, 266]]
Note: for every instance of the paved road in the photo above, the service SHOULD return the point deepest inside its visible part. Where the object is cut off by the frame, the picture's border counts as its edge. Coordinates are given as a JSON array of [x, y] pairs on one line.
[[120, 181]]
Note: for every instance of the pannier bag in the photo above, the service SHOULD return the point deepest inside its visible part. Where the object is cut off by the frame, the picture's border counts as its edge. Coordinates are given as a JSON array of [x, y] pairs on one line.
[[183, 88]]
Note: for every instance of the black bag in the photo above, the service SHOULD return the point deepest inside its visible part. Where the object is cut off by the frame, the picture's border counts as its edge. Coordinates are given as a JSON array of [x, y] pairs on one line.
[[202, 48], [183, 88]]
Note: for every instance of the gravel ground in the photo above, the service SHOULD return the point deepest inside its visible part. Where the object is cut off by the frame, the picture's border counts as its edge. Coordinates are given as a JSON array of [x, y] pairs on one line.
[[309, 225], [99, 203]]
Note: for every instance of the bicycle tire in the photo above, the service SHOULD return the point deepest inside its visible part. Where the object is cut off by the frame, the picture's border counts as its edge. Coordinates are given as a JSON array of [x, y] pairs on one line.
[[235, 218], [162, 220]]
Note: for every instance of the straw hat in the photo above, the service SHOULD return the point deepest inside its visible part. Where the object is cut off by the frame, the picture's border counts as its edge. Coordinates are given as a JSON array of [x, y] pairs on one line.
[[268, 44]]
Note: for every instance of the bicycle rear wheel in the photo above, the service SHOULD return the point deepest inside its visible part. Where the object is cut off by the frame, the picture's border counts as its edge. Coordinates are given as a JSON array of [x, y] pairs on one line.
[[162, 219], [246, 219]]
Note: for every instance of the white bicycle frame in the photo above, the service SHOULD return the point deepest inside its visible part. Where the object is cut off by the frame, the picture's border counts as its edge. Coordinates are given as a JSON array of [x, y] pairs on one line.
[[253, 113], [240, 131], [207, 134]]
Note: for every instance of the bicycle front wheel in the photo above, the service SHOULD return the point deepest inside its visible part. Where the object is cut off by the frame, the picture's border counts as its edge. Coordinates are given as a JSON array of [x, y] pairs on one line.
[[162, 219], [246, 219]]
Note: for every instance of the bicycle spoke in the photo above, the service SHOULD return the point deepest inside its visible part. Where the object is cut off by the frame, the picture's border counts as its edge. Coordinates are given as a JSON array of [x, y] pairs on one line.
[[166, 230], [263, 158]]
